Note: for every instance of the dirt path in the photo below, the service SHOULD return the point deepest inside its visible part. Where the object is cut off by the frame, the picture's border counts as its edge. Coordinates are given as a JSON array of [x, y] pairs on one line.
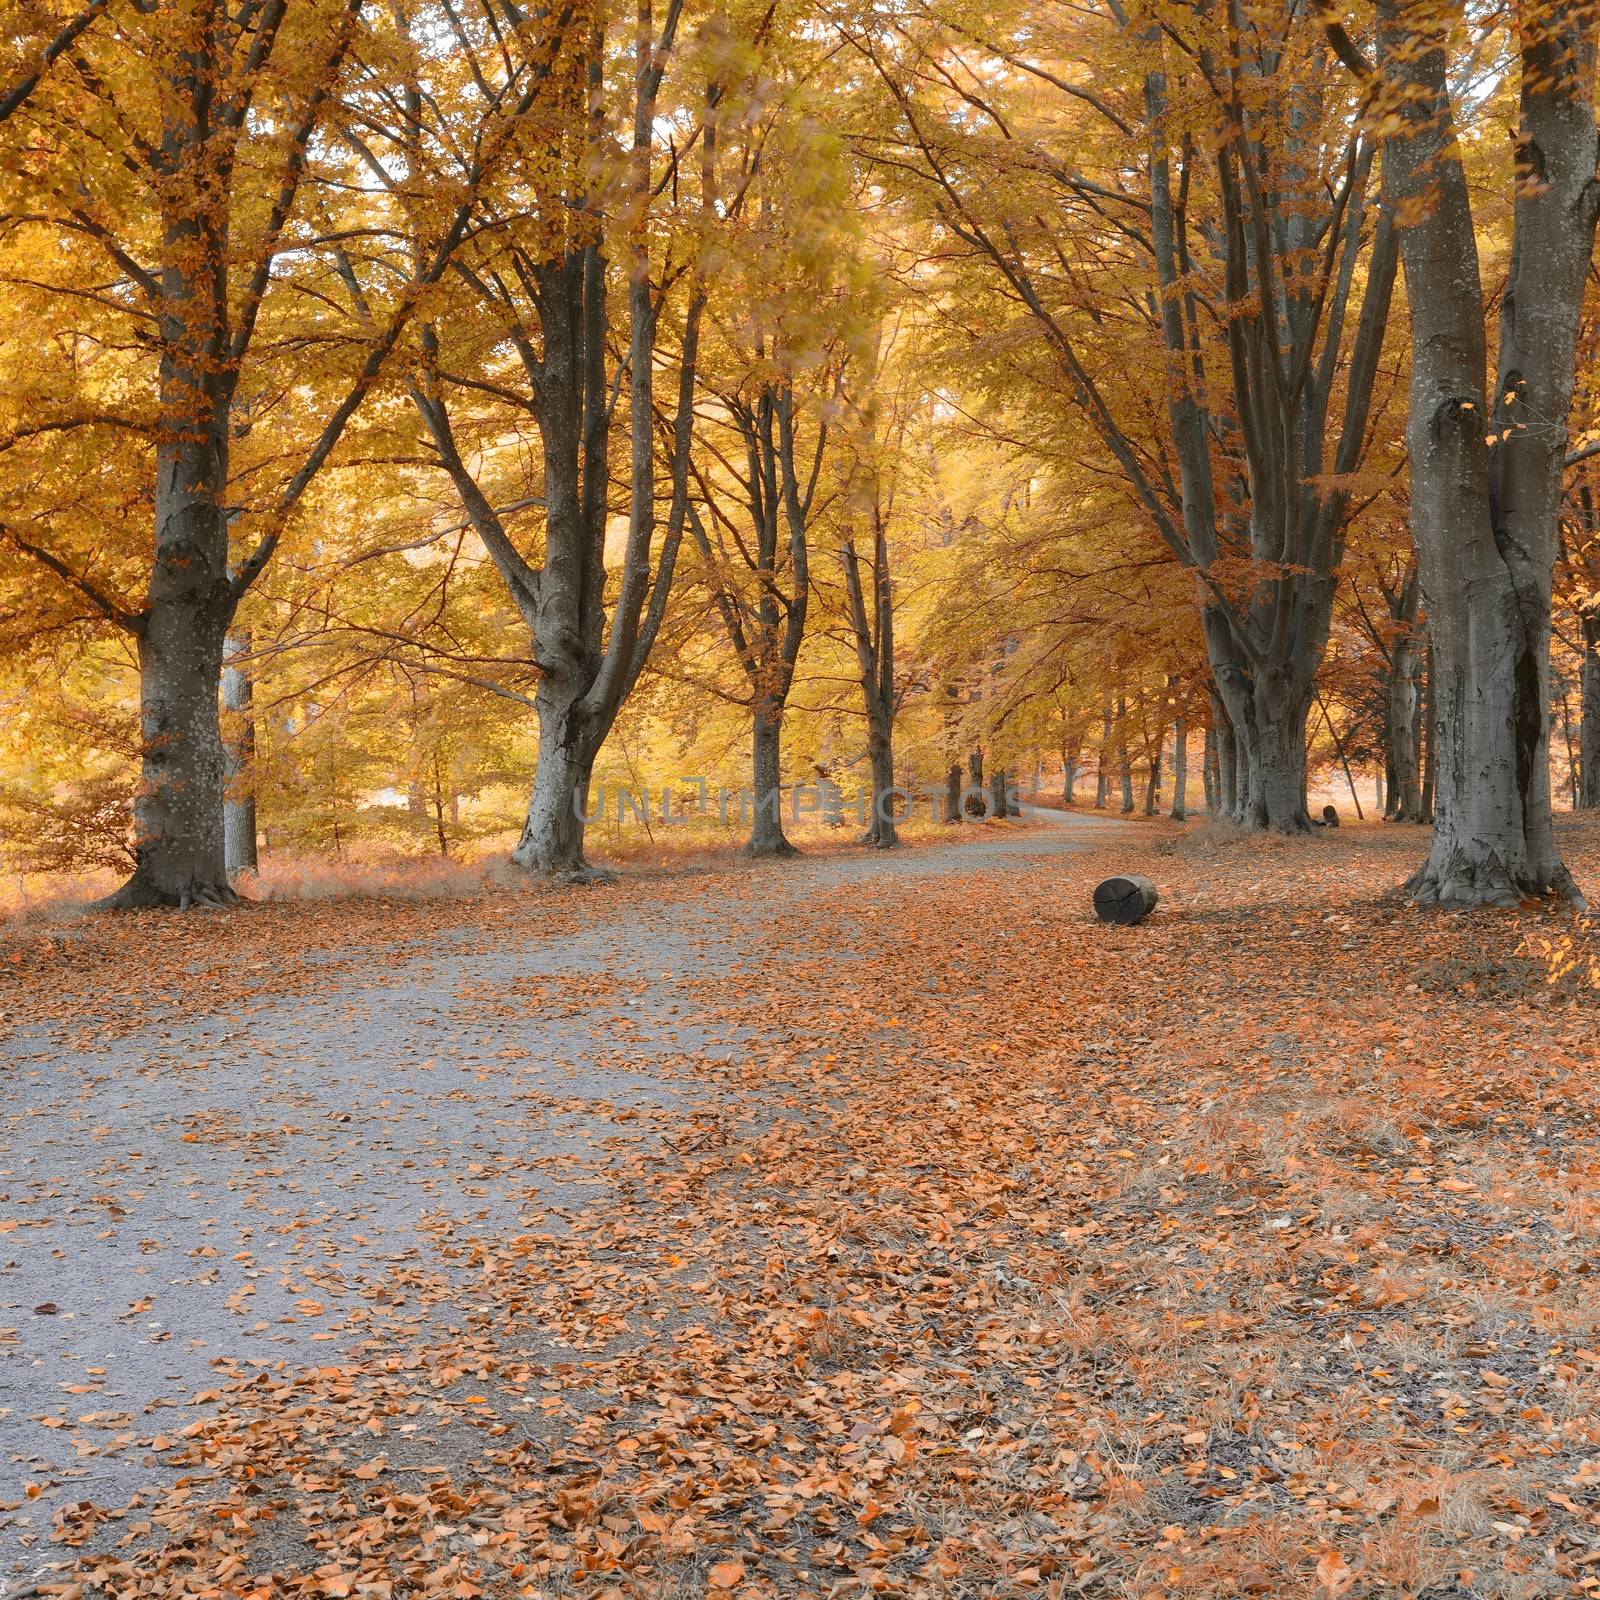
[[858, 1227], [181, 1200]]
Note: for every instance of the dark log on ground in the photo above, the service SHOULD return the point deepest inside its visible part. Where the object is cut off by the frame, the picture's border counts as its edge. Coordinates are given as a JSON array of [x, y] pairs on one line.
[[1125, 901]]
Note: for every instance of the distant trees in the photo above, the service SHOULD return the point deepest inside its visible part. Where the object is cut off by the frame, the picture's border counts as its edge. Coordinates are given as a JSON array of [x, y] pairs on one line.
[[1228, 230], [769, 461]]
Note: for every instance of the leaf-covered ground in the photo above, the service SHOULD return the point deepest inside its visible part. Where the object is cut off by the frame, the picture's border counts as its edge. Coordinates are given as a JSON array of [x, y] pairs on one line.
[[924, 1238]]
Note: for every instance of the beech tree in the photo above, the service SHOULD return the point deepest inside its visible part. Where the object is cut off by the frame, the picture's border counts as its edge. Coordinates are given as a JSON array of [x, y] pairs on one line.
[[1582, 573], [1486, 467], [546, 293], [1235, 230], [766, 629], [765, 462]]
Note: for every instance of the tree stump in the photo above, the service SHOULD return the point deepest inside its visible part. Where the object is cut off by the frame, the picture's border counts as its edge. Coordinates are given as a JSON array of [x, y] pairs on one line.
[[1125, 901]]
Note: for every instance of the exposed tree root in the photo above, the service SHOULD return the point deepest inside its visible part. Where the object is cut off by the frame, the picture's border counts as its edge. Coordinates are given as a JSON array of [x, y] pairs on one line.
[[139, 894], [1465, 879], [771, 849]]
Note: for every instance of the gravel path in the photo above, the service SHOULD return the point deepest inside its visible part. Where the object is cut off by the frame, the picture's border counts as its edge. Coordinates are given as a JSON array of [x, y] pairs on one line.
[[227, 1188]]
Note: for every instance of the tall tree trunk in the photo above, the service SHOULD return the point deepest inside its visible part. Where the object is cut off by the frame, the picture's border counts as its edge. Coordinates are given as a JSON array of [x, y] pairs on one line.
[[871, 614], [552, 833], [1430, 742], [1589, 711], [881, 829], [239, 757], [999, 803], [1209, 773], [1069, 775], [180, 856], [1228, 795], [438, 805], [1124, 761], [1152, 788], [766, 635], [767, 837], [1386, 789], [1180, 769], [1572, 752], [1275, 758], [1401, 726], [952, 793], [1486, 477]]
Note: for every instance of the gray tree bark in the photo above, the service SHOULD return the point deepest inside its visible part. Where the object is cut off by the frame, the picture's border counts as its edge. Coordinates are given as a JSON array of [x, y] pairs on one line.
[[766, 635], [1484, 514], [1227, 770], [1400, 645], [180, 854], [871, 618], [1589, 711], [1403, 724], [952, 794], [1430, 743], [1152, 788], [1102, 773], [767, 837], [239, 754]]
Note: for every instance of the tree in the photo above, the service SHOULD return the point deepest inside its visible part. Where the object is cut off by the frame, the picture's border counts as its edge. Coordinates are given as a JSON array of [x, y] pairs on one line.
[[871, 618], [1385, 610], [1486, 474], [781, 311], [545, 293], [1583, 594], [1207, 238], [766, 631]]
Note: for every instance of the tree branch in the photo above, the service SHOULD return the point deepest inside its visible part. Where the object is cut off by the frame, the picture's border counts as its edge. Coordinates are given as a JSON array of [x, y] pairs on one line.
[[131, 622]]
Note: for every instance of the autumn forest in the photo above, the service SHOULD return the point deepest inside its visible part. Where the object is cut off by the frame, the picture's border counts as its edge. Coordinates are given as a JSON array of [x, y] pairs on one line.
[[795, 798], [478, 406]]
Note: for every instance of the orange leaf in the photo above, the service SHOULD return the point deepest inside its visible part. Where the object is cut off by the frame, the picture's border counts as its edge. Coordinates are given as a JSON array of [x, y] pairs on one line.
[[1333, 1572]]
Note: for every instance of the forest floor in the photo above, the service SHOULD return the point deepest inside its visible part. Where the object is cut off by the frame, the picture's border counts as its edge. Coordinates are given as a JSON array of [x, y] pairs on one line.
[[857, 1225]]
